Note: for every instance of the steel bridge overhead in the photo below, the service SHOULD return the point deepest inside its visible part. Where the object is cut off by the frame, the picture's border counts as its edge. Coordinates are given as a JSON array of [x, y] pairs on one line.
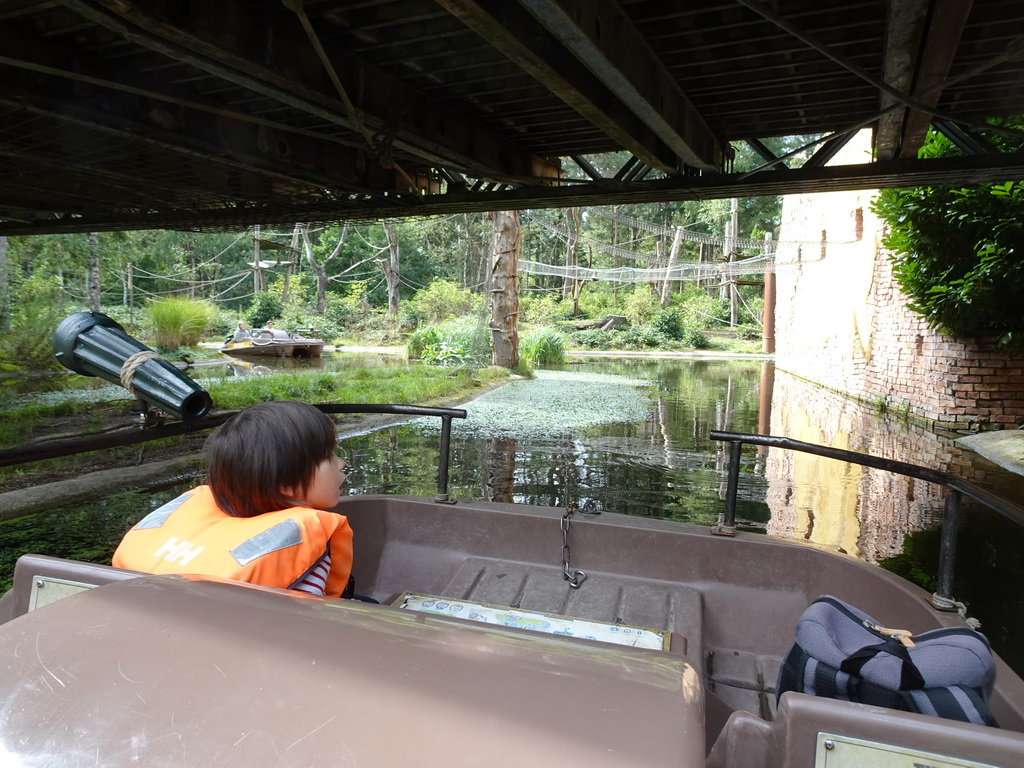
[[134, 114]]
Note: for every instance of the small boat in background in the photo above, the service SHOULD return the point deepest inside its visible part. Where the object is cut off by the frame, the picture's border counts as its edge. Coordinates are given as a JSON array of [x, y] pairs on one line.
[[274, 343]]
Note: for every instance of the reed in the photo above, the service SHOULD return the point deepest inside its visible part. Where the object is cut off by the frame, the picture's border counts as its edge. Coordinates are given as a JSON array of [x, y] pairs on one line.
[[542, 346], [179, 322]]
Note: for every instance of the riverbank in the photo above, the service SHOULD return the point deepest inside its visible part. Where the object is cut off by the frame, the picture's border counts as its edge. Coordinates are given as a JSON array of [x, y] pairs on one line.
[[29, 488]]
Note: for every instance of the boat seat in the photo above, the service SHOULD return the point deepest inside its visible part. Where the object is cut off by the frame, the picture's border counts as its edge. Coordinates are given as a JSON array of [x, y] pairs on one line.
[[40, 580], [605, 598]]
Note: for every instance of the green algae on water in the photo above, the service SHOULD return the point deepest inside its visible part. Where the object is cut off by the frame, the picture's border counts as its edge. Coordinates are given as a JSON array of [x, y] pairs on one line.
[[555, 403]]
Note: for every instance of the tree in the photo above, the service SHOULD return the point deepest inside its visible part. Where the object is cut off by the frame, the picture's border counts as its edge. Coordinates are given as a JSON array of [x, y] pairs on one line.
[[390, 266], [956, 252], [504, 284]]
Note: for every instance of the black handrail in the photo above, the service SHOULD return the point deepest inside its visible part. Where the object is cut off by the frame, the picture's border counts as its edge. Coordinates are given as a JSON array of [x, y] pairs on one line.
[[956, 487], [24, 454]]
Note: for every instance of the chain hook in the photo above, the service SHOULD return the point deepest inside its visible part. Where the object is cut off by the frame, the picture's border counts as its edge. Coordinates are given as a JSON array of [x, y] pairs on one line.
[[575, 578]]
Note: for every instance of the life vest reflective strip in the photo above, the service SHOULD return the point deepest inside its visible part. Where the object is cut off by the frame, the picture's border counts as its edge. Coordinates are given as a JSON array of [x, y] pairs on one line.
[[190, 534]]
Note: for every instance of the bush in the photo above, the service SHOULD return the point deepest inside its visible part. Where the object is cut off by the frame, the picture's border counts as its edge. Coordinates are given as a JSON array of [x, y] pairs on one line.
[[670, 323], [457, 342], [440, 300], [542, 308], [265, 306], [642, 337], [179, 322], [28, 323], [543, 346], [592, 338], [956, 253], [701, 310], [696, 339], [640, 305]]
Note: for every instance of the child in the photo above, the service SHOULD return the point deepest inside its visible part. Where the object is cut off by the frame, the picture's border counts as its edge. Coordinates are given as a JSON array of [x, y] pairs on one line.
[[271, 471]]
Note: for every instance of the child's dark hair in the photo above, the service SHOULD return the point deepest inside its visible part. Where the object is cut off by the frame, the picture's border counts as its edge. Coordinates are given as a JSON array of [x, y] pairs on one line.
[[263, 449]]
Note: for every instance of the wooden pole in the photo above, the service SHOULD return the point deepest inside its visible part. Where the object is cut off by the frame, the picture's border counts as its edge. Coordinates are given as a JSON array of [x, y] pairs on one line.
[[768, 326]]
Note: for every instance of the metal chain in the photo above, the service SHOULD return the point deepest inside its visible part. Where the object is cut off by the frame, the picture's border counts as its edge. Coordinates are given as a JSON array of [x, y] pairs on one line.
[[575, 578]]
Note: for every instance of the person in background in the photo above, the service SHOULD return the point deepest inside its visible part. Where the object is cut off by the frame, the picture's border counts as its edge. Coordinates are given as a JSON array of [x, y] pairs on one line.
[[262, 516], [241, 334]]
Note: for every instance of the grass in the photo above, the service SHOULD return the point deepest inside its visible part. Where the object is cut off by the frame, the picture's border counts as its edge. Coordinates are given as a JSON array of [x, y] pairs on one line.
[[26, 417]]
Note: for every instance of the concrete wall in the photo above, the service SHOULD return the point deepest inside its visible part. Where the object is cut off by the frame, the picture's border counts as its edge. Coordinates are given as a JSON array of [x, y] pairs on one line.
[[842, 322]]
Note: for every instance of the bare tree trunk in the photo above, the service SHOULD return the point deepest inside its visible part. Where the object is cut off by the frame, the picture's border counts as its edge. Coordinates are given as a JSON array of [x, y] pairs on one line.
[[506, 239], [189, 246], [320, 269], [391, 268], [673, 256], [94, 272], [257, 272], [573, 222], [293, 260]]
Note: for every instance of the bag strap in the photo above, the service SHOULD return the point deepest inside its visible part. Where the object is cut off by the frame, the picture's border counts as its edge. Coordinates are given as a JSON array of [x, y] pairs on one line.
[[955, 702], [910, 675]]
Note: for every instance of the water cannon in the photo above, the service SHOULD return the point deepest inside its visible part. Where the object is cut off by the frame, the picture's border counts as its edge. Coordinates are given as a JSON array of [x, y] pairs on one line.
[[92, 344]]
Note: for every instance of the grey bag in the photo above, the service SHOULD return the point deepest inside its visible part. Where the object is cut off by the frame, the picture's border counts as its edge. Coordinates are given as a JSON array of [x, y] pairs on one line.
[[842, 653]]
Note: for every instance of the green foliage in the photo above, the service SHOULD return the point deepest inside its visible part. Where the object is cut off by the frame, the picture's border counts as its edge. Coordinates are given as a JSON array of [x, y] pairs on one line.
[[457, 342], [670, 322], [265, 306], [640, 305], [957, 253], [543, 308], [641, 337], [592, 338], [440, 300], [412, 384], [700, 309], [34, 308], [179, 322], [543, 346]]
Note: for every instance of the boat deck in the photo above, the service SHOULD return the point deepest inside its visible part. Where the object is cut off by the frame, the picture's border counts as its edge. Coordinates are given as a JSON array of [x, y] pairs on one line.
[[741, 679]]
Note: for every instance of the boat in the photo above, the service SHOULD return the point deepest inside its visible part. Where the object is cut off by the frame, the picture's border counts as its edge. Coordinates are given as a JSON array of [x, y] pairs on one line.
[[267, 342], [492, 646], [505, 635]]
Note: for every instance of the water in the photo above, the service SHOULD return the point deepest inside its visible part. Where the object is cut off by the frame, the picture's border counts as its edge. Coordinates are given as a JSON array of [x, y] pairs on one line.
[[659, 462]]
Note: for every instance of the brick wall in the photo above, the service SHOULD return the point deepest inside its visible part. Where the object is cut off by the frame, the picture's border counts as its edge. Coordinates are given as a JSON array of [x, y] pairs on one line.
[[842, 322]]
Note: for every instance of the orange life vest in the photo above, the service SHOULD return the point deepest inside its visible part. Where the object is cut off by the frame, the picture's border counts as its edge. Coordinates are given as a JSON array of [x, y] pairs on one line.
[[192, 535]]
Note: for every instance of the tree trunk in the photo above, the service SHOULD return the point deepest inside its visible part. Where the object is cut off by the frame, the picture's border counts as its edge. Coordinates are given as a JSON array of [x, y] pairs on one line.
[[391, 268], [320, 269], [573, 222], [94, 272], [257, 273], [673, 256], [506, 239]]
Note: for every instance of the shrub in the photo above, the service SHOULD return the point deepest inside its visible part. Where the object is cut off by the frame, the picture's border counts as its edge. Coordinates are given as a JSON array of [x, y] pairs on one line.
[[640, 305], [28, 323], [542, 308], [592, 338], [265, 306], [179, 322], [440, 300], [543, 346], [642, 337], [956, 253], [460, 341], [696, 339], [670, 323]]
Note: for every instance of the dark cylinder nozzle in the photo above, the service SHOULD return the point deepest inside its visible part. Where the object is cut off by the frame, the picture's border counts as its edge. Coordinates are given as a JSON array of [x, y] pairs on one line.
[[92, 344]]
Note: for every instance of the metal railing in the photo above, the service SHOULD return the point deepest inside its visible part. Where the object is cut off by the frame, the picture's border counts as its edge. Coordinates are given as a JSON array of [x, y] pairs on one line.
[[955, 486], [50, 449]]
